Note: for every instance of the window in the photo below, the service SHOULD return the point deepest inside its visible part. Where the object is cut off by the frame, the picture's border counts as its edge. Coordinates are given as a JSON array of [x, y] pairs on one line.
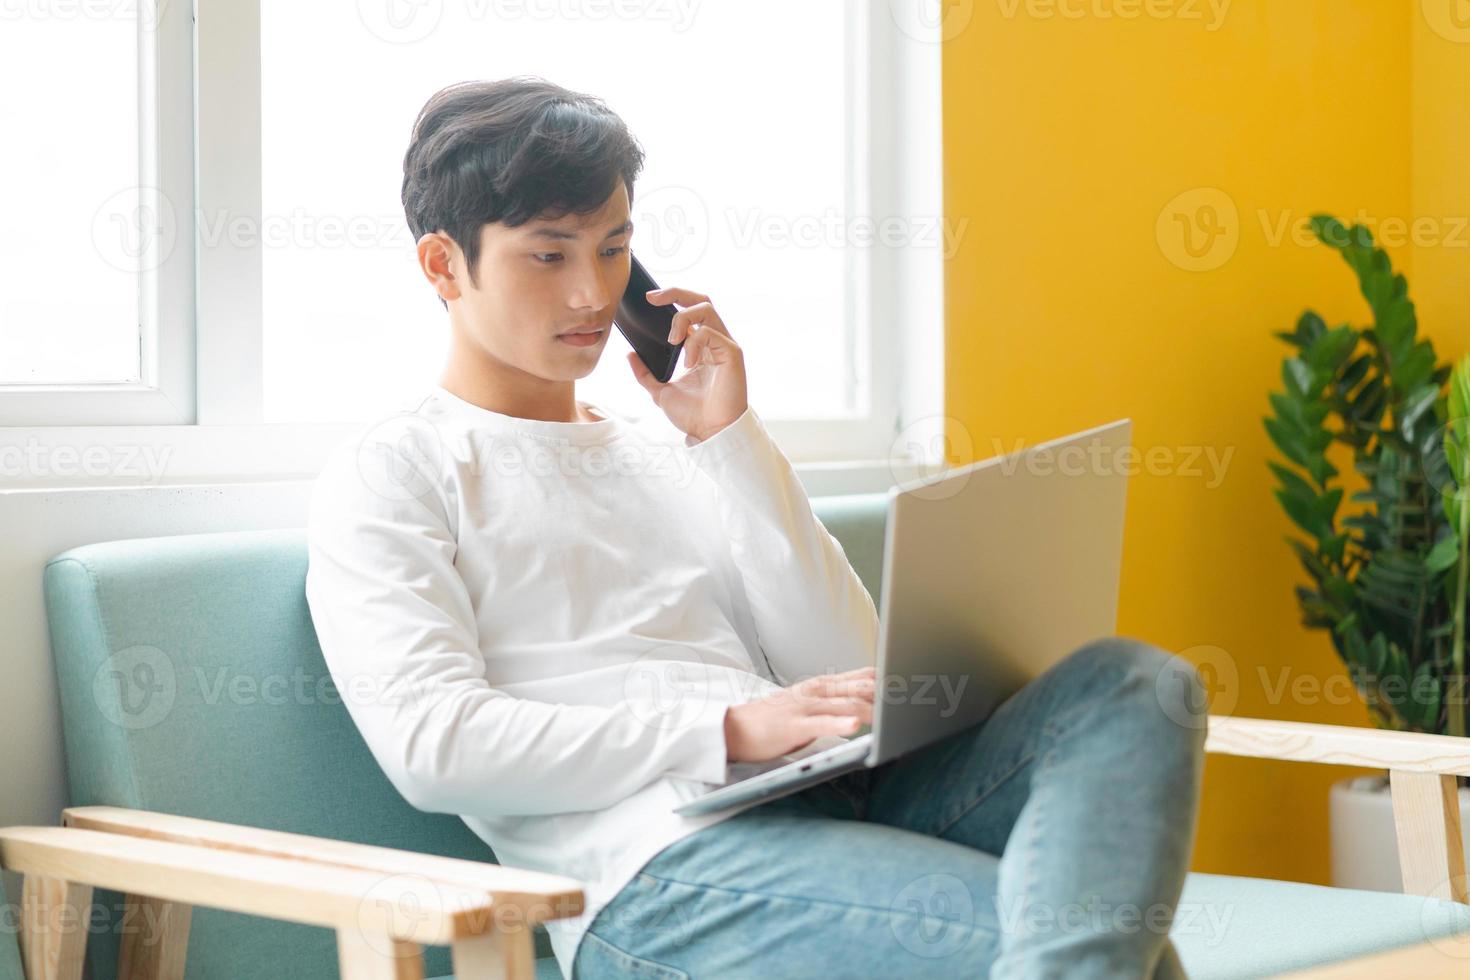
[[70, 250], [742, 110], [783, 142], [96, 296]]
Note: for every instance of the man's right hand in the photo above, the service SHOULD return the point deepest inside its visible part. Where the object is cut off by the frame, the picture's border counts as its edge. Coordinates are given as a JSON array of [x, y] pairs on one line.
[[788, 719]]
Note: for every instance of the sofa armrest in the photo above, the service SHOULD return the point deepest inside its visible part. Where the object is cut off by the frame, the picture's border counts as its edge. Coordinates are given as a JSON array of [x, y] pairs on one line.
[[380, 920], [1338, 745], [1421, 771], [532, 896]]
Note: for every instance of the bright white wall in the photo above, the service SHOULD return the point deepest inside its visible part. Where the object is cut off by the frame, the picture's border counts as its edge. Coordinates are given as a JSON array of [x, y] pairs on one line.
[[36, 525]]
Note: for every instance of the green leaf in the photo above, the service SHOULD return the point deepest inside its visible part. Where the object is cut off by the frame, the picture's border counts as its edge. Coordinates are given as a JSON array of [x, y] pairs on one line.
[[1288, 441], [1339, 589], [1292, 483], [1310, 560], [1309, 327], [1422, 704], [1420, 402], [1377, 655], [1416, 366], [1329, 230], [1334, 547], [1325, 507], [1303, 513], [1301, 382], [1330, 348], [1444, 554]]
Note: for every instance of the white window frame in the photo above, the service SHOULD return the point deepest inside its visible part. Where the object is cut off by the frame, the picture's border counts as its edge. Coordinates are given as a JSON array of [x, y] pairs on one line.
[[164, 393], [208, 53]]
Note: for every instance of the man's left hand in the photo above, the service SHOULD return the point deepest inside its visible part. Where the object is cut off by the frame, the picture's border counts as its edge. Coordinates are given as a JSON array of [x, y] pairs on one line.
[[711, 393]]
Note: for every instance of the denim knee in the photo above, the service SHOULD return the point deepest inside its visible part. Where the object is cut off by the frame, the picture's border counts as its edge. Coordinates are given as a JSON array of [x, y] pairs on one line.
[[1161, 686]]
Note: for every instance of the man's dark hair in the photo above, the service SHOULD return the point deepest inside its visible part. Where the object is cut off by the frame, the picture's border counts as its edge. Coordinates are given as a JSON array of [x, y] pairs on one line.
[[511, 150]]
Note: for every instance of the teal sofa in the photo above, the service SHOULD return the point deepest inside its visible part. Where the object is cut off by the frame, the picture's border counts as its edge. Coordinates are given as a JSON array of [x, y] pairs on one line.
[[228, 715]]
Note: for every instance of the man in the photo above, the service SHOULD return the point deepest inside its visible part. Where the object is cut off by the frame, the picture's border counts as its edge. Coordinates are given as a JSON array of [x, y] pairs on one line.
[[558, 625]]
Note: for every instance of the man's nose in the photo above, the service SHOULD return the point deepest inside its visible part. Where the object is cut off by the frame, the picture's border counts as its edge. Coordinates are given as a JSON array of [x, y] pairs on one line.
[[591, 290]]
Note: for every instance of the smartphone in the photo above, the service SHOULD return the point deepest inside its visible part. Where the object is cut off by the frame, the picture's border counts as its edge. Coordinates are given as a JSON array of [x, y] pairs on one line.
[[646, 326]]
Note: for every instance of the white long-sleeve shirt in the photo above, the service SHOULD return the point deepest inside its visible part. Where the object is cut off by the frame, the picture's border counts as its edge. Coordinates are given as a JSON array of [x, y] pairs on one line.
[[538, 626]]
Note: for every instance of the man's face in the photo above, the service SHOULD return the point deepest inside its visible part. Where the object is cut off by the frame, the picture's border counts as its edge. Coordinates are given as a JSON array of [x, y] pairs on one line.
[[545, 278]]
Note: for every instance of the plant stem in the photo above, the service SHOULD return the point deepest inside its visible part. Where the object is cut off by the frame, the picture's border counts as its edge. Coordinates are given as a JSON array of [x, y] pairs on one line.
[[1456, 700]]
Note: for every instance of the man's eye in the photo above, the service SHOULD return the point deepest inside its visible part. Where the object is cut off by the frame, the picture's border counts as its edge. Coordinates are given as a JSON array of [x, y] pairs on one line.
[[615, 250], [547, 257]]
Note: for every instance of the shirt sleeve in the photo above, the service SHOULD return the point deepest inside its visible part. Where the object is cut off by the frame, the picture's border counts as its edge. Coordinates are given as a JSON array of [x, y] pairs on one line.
[[398, 631], [813, 615]]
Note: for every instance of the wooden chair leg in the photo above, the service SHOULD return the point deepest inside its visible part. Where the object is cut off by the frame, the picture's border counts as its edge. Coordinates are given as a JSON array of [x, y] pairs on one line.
[[502, 954], [378, 958], [1426, 816], [155, 940], [53, 927]]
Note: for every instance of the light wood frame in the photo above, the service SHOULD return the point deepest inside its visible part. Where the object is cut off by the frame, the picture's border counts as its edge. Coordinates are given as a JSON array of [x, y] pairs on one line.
[[384, 904], [485, 912], [1421, 770]]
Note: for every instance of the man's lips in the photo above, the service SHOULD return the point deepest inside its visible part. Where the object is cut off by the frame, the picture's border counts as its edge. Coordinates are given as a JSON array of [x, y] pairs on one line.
[[583, 336], [593, 328]]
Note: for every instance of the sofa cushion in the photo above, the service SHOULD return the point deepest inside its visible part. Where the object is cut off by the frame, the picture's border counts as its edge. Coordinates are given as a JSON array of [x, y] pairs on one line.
[[859, 522], [10, 968], [191, 682], [1236, 927]]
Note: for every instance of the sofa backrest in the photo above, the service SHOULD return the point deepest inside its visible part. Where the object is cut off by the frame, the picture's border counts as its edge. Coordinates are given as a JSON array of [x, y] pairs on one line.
[[191, 682]]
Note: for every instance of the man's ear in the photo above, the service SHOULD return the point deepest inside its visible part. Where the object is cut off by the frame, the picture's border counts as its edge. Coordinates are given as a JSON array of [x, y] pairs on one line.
[[439, 257]]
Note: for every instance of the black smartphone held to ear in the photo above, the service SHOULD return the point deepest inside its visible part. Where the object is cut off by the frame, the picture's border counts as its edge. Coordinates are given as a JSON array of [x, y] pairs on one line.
[[646, 326]]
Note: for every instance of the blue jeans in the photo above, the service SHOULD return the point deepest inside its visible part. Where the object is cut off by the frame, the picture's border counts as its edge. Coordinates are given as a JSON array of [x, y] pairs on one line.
[[1051, 840]]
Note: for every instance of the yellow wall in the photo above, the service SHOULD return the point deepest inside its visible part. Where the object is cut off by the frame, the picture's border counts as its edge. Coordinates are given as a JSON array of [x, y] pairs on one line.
[[1441, 176], [1073, 300]]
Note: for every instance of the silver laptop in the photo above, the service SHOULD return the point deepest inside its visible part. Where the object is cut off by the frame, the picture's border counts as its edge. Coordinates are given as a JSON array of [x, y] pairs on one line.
[[992, 573]]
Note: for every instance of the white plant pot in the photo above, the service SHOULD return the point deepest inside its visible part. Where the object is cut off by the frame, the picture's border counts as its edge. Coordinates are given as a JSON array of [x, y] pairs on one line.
[[1365, 851]]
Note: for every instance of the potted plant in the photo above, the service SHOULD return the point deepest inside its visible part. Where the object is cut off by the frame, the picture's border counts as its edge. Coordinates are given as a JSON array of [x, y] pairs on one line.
[[1387, 580]]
